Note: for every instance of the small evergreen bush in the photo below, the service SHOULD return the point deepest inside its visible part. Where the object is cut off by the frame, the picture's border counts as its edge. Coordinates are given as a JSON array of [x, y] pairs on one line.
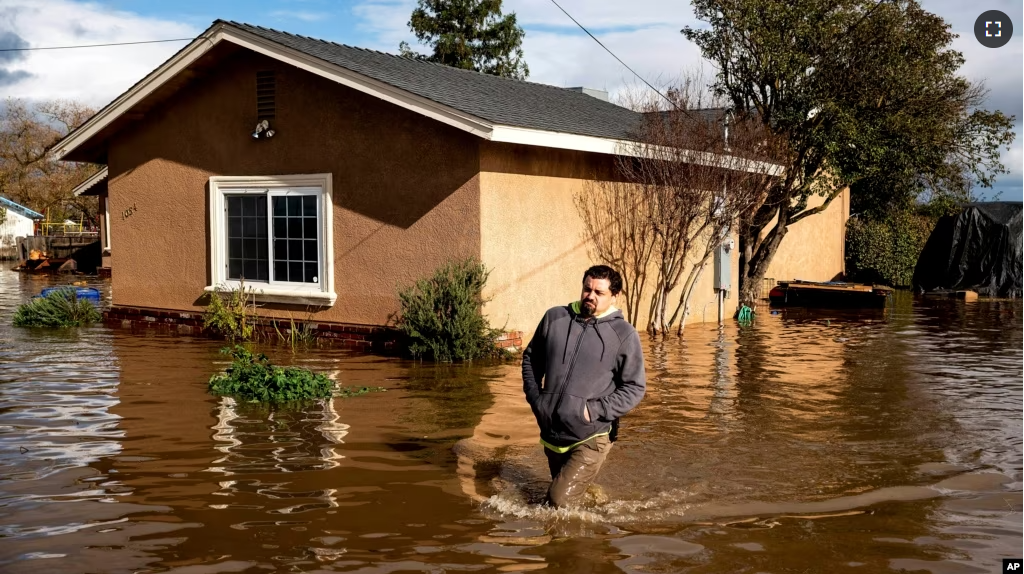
[[231, 313], [251, 377], [886, 250], [61, 308], [443, 318]]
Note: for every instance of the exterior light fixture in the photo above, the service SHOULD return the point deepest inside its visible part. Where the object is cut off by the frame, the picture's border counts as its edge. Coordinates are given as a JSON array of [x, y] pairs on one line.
[[262, 130]]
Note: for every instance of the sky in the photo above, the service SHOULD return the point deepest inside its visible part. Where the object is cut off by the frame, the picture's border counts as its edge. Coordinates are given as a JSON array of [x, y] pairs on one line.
[[643, 33]]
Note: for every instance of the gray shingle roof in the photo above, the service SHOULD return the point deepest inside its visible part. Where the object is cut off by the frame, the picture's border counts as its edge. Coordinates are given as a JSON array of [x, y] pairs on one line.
[[500, 101]]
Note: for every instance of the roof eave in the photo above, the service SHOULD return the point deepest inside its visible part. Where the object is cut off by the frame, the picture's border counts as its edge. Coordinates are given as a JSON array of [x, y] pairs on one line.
[[91, 186]]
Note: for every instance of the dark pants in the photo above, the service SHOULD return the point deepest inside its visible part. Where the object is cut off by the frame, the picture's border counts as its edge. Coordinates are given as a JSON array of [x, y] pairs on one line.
[[572, 472]]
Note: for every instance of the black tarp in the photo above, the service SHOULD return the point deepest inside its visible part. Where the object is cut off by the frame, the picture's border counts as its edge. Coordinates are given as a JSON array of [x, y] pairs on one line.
[[977, 250]]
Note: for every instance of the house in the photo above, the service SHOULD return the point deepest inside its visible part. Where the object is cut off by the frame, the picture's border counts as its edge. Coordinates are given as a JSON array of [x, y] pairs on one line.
[[16, 221], [96, 186], [328, 176]]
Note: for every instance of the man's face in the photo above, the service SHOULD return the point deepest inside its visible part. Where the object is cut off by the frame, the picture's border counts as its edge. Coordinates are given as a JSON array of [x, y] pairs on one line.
[[596, 297]]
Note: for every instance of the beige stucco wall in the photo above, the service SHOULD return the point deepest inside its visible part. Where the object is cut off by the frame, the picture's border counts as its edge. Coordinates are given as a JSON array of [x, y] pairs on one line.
[[814, 249], [532, 237], [406, 191]]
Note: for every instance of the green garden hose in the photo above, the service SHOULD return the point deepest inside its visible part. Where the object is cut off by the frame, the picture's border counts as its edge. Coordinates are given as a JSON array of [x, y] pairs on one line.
[[746, 315]]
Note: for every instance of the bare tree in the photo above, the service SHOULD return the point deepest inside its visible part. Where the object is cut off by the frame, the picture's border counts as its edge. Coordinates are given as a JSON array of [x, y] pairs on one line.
[[616, 218], [688, 174], [29, 173]]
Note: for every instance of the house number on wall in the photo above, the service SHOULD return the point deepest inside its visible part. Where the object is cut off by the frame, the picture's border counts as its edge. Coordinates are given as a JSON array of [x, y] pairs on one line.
[[129, 212]]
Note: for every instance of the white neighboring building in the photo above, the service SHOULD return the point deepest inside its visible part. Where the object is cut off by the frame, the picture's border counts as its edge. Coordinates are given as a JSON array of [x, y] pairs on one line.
[[19, 222]]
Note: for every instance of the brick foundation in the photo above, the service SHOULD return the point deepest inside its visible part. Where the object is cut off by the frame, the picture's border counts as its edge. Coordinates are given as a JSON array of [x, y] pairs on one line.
[[367, 338], [512, 340]]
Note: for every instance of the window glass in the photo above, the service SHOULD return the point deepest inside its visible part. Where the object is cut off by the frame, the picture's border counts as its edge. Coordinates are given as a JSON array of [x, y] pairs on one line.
[[296, 250], [247, 238]]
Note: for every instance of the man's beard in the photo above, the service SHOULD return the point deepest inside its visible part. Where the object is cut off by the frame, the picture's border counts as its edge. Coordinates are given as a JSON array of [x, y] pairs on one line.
[[586, 311]]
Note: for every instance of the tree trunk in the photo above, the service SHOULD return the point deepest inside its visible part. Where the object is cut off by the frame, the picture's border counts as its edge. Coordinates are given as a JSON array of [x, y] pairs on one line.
[[684, 302], [755, 257]]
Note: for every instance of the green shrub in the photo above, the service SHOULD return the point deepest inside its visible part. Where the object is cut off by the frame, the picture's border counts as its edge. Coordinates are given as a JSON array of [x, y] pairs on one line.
[[886, 250], [251, 377], [442, 316], [60, 308], [231, 313]]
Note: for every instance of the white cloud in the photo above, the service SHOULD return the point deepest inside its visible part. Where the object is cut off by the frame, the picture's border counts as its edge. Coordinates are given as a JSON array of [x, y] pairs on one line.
[[385, 22], [91, 75], [305, 16], [602, 15], [655, 53]]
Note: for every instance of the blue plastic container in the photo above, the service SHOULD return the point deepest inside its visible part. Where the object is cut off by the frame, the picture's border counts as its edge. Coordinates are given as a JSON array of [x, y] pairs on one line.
[[88, 293]]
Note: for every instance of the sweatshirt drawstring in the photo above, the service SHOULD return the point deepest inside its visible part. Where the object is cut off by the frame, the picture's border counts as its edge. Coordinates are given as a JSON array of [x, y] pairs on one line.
[[567, 334], [598, 330]]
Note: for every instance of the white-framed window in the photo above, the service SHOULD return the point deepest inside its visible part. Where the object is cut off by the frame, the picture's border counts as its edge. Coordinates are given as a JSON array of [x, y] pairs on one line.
[[276, 234]]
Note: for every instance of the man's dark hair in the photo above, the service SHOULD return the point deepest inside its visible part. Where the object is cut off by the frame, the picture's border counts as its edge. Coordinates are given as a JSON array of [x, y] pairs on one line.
[[605, 272]]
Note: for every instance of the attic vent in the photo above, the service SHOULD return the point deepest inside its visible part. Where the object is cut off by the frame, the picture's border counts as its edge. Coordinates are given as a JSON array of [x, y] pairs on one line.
[[266, 89]]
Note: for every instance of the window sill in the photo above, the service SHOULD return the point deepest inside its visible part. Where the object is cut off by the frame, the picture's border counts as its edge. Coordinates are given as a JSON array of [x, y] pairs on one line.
[[289, 296]]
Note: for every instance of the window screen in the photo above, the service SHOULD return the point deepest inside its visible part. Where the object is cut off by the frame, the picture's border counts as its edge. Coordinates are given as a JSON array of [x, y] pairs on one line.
[[296, 251], [248, 256]]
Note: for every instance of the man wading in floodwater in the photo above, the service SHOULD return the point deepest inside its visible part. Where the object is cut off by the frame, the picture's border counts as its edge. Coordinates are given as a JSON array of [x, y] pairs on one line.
[[583, 370]]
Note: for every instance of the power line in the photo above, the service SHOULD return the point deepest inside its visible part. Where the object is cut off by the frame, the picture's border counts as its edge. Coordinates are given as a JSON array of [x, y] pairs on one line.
[[94, 45], [616, 57]]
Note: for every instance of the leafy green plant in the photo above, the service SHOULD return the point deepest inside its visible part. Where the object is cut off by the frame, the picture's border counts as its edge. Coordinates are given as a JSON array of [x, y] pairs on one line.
[[251, 377], [231, 313], [60, 308], [886, 250], [443, 317]]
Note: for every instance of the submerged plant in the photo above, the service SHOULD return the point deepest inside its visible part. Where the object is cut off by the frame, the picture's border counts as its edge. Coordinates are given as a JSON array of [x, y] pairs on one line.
[[253, 378], [295, 335], [59, 308], [231, 313]]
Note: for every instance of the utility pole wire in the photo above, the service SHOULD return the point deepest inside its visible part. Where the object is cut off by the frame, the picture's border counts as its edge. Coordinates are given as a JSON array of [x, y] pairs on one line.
[[94, 45], [617, 58]]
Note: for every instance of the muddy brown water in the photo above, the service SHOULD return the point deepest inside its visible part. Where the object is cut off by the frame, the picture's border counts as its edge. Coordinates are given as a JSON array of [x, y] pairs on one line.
[[877, 442]]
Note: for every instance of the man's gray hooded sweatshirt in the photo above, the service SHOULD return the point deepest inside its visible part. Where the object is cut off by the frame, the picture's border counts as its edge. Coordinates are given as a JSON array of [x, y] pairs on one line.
[[574, 361]]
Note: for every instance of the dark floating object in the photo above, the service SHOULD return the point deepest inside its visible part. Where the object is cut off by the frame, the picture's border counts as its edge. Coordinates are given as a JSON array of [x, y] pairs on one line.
[[832, 295], [978, 250], [88, 293]]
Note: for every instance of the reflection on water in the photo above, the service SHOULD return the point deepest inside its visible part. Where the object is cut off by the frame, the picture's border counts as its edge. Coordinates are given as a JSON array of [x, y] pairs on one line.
[[255, 440], [260, 439], [809, 442]]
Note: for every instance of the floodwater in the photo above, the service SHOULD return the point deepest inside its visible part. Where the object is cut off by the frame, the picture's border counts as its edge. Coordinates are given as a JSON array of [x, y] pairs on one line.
[[881, 442]]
